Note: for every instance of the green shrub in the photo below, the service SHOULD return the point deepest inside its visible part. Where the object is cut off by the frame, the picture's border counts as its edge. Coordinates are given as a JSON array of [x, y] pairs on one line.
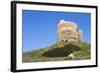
[[61, 52]]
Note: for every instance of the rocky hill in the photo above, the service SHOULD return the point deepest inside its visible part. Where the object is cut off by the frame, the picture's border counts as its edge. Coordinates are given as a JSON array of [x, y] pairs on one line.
[[59, 52]]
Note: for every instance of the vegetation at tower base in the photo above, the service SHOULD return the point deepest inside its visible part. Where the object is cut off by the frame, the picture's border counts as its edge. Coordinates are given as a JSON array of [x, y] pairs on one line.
[[62, 51], [79, 50]]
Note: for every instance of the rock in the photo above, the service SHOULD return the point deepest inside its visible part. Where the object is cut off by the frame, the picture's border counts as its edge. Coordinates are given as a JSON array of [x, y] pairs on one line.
[[71, 55]]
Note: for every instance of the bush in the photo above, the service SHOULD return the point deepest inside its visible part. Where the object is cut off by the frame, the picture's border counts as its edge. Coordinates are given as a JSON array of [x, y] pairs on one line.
[[61, 52]]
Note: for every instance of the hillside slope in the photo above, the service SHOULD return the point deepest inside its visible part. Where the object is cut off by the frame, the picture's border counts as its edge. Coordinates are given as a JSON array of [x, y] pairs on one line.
[[59, 52]]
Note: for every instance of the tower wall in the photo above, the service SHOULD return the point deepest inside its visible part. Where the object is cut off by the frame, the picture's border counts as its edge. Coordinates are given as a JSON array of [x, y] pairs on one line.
[[67, 31]]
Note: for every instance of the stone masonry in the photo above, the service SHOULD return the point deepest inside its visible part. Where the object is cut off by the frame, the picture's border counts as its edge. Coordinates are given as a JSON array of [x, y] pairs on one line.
[[68, 32]]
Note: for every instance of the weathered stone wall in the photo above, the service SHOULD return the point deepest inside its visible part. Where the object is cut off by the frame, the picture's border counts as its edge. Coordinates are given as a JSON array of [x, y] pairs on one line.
[[67, 31]]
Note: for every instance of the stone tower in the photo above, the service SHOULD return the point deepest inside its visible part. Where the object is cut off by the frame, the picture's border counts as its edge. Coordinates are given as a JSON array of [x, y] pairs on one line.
[[68, 32]]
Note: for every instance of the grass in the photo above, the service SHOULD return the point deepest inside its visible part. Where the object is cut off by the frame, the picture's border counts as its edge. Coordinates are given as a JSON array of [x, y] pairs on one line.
[[59, 52]]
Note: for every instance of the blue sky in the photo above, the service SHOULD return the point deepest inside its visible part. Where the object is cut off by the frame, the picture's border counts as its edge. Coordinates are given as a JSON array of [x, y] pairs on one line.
[[40, 27]]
